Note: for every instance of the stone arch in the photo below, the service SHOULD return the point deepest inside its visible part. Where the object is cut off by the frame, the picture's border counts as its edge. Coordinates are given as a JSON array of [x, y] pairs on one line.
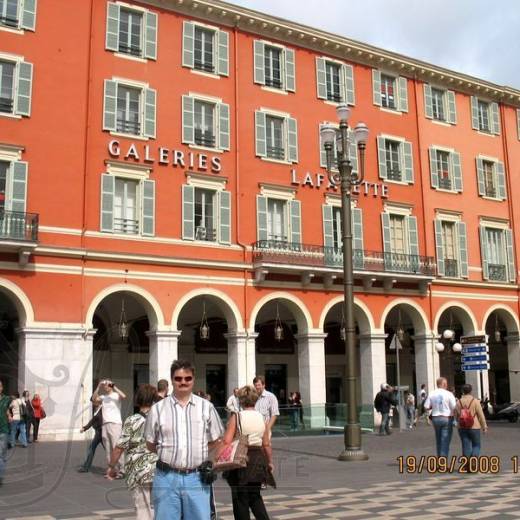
[[460, 311], [362, 315], [20, 301], [418, 316], [506, 314]]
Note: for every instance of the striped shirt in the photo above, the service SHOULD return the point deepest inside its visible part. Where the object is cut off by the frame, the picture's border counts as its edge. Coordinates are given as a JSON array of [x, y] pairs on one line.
[[182, 433], [267, 405]]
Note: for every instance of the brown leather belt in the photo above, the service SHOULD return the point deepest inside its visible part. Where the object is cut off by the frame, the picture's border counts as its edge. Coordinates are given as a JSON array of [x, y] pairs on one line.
[[167, 468]]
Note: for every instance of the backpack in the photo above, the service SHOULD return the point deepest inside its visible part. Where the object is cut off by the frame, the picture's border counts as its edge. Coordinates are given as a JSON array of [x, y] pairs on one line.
[[466, 420], [23, 409], [378, 401]]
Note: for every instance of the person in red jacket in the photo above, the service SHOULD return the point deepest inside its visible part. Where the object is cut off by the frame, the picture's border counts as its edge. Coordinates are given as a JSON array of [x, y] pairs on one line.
[[38, 415]]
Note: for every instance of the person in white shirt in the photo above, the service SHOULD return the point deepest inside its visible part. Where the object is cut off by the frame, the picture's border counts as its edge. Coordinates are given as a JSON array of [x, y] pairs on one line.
[[442, 404], [232, 405]]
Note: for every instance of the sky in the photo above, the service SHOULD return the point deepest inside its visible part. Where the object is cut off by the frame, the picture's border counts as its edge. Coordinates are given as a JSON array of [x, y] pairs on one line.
[[476, 37]]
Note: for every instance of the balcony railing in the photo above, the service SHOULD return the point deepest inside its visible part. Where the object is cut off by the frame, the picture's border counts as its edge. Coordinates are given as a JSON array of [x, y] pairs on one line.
[[451, 267], [275, 152], [6, 105], [445, 183], [134, 50], [8, 21], [126, 225], [128, 127], [294, 253], [15, 225], [497, 272], [204, 138], [491, 191], [204, 65], [273, 82], [333, 96]]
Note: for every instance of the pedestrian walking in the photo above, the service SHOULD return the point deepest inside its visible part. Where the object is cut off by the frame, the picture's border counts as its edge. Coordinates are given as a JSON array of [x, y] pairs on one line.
[[471, 421], [29, 415], [95, 422], [180, 429], [232, 402], [246, 483], [409, 402], [294, 411], [267, 403], [38, 415], [17, 426], [5, 419], [162, 388], [442, 404], [423, 394], [139, 460], [383, 402]]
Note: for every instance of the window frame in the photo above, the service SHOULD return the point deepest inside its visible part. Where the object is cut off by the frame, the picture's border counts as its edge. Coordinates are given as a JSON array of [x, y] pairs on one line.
[[395, 86], [391, 142], [138, 205], [213, 236], [443, 116], [127, 51], [199, 67], [25, 19], [480, 105]]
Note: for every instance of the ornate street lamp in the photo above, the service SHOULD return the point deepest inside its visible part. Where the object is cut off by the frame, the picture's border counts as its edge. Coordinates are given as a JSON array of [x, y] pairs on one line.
[[278, 328], [347, 178], [122, 326], [204, 326]]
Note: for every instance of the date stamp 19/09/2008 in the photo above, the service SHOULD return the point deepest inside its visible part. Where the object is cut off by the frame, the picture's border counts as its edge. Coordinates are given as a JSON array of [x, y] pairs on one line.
[[431, 464]]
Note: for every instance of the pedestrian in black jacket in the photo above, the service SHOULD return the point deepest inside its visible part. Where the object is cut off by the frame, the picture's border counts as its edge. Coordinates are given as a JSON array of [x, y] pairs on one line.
[[29, 415], [383, 401], [97, 423]]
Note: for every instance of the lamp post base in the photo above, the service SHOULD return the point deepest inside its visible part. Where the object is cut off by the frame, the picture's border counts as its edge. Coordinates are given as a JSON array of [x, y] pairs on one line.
[[352, 454]]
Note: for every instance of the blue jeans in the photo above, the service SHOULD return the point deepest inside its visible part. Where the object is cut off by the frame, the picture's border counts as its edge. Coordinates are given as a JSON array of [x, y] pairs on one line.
[[91, 451], [470, 439], [443, 427], [4, 440], [385, 423], [295, 415], [17, 426], [180, 496]]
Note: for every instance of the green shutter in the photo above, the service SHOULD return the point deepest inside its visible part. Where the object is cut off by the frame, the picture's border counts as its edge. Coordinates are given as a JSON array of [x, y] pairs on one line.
[[428, 106], [225, 217], [260, 137], [188, 120], [321, 78], [403, 94], [150, 35], [349, 95], [290, 70], [518, 122], [495, 118], [28, 15], [296, 226], [328, 228], [452, 107], [413, 236], [18, 189], [23, 96], [406, 148], [483, 251], [148, 206], [188, 44], [501, 180], [439, 247], [259, 62], [353, 152], [188, 212], [150, 99], [223, 126], [112, 34], [292, 138], [474, 113], [510, 255], [387, 239], [108, 187], [381, 157], [463, 249], [323, 153], [480, 178], [261, 217], [457, 171], [110, 105], [357, 230], [223, 53], [434, 175], [376, 89]]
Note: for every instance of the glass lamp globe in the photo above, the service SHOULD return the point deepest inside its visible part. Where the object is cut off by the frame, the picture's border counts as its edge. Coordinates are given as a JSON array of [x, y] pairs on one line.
[[457, 347], [343, 112], [439, 347], [448, 334]]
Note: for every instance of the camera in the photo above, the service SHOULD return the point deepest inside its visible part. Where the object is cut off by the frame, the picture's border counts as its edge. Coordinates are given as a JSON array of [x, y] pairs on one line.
[[207, 473], [111, 385]]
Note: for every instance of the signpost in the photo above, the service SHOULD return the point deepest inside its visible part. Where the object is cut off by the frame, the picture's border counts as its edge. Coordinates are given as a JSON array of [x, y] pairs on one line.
[[475, 356]]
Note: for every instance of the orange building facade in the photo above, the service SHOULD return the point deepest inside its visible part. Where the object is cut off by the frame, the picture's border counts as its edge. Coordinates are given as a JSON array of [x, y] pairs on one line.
[[161, 169]]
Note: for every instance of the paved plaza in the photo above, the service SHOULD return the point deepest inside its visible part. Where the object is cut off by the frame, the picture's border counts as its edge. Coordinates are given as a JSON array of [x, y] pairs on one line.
[[42, 482]]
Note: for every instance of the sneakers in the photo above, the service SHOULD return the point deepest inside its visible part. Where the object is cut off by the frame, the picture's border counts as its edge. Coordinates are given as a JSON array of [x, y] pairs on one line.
[[82, 469]]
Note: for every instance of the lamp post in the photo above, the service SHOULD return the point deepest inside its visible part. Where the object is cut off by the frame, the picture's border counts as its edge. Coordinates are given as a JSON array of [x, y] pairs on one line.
[[347, 178]]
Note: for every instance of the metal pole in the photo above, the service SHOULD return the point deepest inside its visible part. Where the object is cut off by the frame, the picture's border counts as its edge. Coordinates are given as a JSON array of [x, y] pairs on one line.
[[399, 404]]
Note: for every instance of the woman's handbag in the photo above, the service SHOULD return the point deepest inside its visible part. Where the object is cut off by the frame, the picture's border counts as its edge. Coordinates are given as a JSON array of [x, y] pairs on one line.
[[233, 456], [43, 414]]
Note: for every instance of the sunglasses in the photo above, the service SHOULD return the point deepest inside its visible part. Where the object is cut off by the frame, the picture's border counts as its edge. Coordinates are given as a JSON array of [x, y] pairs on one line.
[[180, 379]]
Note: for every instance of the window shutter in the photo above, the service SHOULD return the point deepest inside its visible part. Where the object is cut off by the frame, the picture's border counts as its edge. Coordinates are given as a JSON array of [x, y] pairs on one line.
[[510, 255], [474, 113], [150, 100], [261, 217], [29, 15], [150, 35], [188, 130], [387, 241], [112, 35], [223, 53], [376, 87], [457, 171], [260, 141], [353, 152], [328, 229], [518, 121], [259, 62], [463, 249], [357, 230], [434, 175], [223, 126], [452, 107], [225, 217], [406, 148], [18, 188], [349, 95], [483, 252], [495, 118], [188, 212], [188, 44], [23, 97], [148, 208], [403, 94], [323, 153], [439, 247], [501, 180], [108, 187], [381, 157], [296, 227], [413, 238], [290, 70], [428, 106], [110, 105], [480, 177], [321, 78], [292, 134]]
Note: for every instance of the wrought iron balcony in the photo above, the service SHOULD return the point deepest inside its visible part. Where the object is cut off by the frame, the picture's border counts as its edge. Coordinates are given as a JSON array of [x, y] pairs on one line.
[[134, 50], [128, 127], [275, 152], [6, 105], [451, 267], [18, 226], [8, 21], [393, 174], [206, 66], [204, 138], [497, 272], [334, 96], [444, 183], [273, 82], [491, 191], [126, 225]]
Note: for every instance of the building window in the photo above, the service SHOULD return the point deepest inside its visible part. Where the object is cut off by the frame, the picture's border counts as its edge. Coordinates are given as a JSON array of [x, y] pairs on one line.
[[335, 81], [395, 160], [205, 215], [17, 14], [204, 44], [393, 166], [443, 169], [7, 87], [9, 13], [337, 236], [125, 207], [450, 249], [483, 116], [4, 169], [15, 87], [388, 86], [496, 254], [204, 124], [489, 179], [277, 220], [128, 110], [274, 137], [130, 32], [333, 72], [205, 49], [274, 66], [400, 240], [397, 234], [438, 104]]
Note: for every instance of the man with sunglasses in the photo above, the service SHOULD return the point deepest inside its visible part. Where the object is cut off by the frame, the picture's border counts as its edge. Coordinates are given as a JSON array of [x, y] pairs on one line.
[[180, 429]]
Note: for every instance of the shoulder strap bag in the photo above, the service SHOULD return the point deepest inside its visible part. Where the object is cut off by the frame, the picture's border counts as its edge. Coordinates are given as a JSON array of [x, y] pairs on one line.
[[233, 456]]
